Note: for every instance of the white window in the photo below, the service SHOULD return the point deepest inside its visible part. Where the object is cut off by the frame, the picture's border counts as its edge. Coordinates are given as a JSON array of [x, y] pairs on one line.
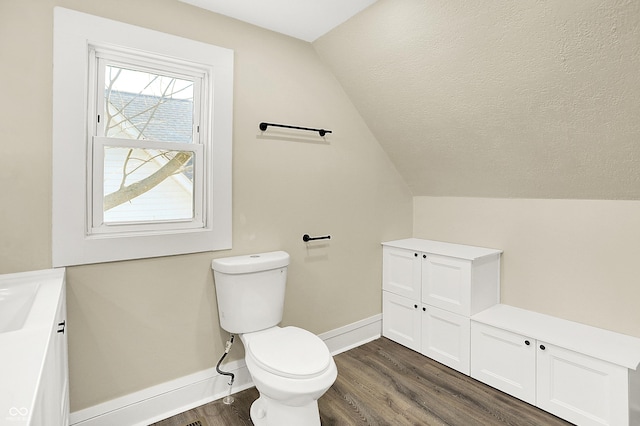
[[148, 140], [142, 142]]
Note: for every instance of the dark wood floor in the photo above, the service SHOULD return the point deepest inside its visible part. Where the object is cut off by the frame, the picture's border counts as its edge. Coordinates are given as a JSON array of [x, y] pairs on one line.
[[383, 383]]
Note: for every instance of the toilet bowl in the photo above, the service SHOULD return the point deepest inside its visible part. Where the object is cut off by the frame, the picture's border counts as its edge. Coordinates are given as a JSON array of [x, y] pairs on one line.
[[291, 368]]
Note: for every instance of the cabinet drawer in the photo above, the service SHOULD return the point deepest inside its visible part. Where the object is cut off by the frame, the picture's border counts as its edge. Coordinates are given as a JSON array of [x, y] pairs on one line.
[[446, 283], [445, 338], [401, 320], [504, 360]]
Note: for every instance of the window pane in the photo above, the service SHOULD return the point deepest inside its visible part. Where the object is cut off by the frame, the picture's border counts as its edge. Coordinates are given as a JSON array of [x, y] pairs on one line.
[[146, 105], [147, 185]]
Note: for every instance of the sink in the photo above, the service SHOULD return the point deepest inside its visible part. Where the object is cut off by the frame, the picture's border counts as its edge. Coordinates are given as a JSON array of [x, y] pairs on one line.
[[33, 349], [16, 300]]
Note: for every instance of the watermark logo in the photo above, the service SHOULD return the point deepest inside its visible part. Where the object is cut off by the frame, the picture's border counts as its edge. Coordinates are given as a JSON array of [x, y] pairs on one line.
[[18, 414]]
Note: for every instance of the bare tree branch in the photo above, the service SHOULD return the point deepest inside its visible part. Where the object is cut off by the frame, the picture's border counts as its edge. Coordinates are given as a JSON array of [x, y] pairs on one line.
[[129, 192], [174, 165]]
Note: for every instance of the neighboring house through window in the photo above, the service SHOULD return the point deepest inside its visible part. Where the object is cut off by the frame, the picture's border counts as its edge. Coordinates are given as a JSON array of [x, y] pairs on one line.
[[142, 142]]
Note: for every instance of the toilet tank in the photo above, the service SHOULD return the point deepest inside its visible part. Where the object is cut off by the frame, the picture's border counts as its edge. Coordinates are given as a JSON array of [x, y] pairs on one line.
[[250, 290]]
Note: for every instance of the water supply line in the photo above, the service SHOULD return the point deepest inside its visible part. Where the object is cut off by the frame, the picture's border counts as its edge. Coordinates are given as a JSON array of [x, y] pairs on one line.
[[227, 399]]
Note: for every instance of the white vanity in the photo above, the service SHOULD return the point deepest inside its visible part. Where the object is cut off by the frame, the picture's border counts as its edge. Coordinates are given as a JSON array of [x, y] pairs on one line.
[[34, 385], [443, 300]]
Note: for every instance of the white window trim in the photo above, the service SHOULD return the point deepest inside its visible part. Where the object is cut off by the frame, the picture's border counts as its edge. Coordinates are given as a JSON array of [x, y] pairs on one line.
[[74, 32]]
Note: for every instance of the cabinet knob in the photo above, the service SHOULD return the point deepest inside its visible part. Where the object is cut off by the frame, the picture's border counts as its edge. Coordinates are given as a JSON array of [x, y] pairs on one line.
[[424, 256], [424, 309], [415, 306], [542, 347], [526, 342], [415, 254]]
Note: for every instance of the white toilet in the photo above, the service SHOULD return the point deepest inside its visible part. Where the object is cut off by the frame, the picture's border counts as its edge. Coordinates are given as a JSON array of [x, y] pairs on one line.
[[291, 367]]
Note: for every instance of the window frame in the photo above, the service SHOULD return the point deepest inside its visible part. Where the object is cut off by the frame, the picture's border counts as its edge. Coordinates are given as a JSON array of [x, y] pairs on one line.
[[74, 238], [99, 58]]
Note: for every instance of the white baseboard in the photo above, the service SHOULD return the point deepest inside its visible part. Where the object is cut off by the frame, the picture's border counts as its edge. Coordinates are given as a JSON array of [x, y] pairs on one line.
[[176, 396], [165, 400], [353, 335]]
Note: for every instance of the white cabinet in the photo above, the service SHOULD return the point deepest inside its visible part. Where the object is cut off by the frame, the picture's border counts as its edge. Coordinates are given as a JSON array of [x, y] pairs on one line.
[[60, 356], [504, 360], [579, 373], [581, 389], [430, 289], [51, 406], [445, 338], [401, 320], [401, 272], [446, 283]]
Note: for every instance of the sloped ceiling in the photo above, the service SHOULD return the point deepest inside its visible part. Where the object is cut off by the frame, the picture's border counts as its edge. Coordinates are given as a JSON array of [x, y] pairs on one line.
[[303, 19], [516, 99]]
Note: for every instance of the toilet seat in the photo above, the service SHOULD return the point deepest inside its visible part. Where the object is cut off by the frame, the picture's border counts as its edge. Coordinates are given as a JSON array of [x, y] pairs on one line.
[[290, 352]]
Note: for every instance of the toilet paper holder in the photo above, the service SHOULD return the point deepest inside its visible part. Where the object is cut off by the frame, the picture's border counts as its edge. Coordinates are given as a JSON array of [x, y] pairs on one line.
[[306, 238]]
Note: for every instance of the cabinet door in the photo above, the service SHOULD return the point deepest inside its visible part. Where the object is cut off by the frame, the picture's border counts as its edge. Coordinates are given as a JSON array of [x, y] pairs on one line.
[[504, 360], [445, 338], [581, 389], [59, 341], [51, 405], [446, 283], [401, 320], [401, 272]]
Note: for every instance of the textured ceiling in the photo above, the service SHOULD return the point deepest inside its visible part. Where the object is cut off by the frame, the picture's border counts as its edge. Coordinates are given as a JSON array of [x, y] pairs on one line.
[[517, 99]]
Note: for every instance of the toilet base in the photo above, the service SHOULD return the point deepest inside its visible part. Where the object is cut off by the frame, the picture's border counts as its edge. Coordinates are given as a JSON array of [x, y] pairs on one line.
[[268, 412]]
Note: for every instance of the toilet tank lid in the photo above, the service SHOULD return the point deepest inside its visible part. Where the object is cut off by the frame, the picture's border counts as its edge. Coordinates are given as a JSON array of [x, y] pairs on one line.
[[251, 262]]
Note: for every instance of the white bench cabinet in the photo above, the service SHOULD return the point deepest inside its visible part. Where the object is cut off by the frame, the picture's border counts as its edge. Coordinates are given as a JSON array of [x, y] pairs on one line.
[[581, 389], [582, 374], [430, 290], [504, 360]]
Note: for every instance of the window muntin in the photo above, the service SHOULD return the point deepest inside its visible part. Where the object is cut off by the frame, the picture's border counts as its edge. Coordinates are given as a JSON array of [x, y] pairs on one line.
[[148, 161]]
